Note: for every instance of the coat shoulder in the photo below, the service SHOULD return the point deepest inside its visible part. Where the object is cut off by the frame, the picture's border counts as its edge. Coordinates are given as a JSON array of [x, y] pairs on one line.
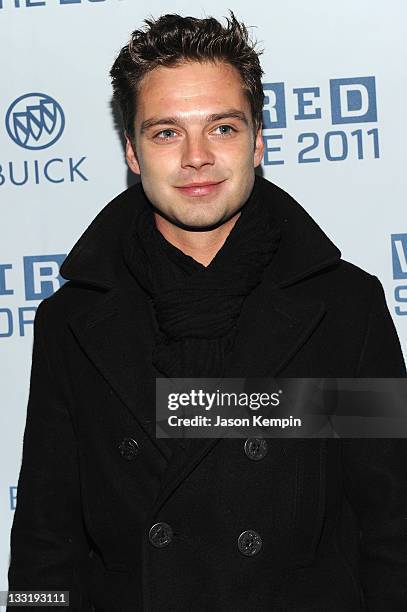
[[346, 281]]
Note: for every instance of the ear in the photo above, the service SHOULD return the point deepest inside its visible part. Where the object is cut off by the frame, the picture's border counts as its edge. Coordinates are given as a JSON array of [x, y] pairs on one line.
[[258, 147], [131, 156]]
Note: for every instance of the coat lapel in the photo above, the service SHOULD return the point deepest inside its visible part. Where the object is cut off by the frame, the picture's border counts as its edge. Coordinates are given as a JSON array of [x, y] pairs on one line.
[[117, 337]]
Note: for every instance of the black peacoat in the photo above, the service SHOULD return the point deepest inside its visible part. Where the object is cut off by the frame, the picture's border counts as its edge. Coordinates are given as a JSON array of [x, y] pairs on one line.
[[330, 513]]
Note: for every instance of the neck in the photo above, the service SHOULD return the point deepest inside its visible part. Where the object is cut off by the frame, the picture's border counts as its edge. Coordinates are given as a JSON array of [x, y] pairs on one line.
[[202, 246]]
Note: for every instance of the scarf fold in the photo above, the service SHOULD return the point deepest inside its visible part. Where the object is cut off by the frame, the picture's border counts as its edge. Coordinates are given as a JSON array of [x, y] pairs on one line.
[[197, 307]]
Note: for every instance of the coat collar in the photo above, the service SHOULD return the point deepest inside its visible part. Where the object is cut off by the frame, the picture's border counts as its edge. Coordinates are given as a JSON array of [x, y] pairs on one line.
[[304, 249]]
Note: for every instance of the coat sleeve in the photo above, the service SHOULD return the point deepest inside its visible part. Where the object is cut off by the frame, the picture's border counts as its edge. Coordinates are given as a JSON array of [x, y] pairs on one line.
[[376, 476], [49, 548]]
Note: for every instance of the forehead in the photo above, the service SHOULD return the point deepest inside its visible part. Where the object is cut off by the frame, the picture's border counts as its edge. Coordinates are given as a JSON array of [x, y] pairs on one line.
[[191, 87]]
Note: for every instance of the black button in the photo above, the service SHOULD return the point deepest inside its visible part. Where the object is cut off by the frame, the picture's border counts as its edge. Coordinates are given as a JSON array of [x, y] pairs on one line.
[[160, 535], [129, 448], [249, 543], [256, 448]]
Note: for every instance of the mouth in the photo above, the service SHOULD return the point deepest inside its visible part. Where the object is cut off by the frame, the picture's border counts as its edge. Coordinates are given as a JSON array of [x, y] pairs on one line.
[[200, 189]]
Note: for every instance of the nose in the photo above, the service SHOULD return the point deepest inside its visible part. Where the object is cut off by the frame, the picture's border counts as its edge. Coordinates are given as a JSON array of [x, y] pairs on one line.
[[196, 152]]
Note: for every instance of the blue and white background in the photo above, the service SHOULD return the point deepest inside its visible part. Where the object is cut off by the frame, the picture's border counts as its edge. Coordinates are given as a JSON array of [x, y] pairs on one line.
[[334, 126]]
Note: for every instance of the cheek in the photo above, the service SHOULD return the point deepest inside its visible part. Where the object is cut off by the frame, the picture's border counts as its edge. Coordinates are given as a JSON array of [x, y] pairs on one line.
[[239, 155], [161, 157]]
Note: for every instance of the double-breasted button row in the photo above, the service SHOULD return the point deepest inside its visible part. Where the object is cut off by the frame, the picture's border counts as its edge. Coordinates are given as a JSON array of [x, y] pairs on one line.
[[129, 448], [256, 448], [160, 535], [249, 542]]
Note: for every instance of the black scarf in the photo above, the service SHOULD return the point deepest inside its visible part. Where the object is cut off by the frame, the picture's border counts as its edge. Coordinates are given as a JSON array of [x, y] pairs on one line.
[[197, 307]]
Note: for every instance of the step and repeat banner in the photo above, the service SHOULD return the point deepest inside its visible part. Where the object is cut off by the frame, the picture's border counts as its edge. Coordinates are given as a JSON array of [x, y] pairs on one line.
[[334, 113]]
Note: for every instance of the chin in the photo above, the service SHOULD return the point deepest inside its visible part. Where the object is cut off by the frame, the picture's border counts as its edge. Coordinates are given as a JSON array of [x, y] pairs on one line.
[[197, 214], [199, 223]]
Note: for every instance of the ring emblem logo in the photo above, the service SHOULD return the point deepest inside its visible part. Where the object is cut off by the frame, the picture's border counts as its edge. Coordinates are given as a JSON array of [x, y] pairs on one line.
[[35, 121]]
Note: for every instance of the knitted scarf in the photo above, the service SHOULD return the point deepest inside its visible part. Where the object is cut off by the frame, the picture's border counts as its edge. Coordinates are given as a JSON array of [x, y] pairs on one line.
[[197, 307]]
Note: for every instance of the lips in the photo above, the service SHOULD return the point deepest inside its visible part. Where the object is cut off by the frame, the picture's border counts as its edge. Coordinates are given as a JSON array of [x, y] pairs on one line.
[[200, 189]]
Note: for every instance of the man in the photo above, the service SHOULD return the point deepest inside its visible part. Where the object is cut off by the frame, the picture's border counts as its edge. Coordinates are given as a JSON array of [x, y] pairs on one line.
[[203, 270]]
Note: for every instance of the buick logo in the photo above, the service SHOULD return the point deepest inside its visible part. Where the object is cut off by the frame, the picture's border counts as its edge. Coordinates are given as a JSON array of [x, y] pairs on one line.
[[35, 121]]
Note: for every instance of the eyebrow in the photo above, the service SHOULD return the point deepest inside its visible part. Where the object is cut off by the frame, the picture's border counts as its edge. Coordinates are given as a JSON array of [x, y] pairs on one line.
[[230, 114]]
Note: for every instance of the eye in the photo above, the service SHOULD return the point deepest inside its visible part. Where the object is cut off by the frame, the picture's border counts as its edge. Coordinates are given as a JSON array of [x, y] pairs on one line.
[[224, 130], [165, 134]]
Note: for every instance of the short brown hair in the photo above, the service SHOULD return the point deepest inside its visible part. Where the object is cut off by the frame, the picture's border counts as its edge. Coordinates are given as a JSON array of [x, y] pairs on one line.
[[171, 40]]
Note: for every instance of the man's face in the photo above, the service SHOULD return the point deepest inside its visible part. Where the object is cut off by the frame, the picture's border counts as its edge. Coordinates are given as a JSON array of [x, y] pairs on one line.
[[195, 147]]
